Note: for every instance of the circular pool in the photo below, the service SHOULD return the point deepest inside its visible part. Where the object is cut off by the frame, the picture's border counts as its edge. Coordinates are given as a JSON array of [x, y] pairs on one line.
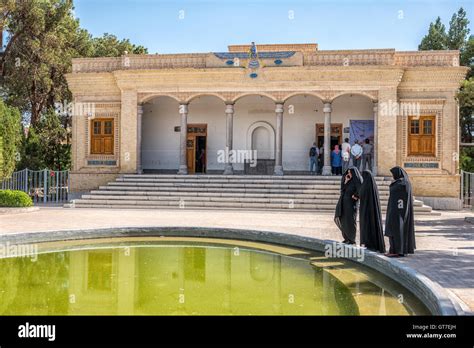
[[193, 276]]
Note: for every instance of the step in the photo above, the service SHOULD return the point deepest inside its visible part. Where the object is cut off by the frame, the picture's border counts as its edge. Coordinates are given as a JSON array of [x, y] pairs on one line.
[[241, 176], [233, 180], [217, 194], [305, 193], [81, 203], [223, 190]]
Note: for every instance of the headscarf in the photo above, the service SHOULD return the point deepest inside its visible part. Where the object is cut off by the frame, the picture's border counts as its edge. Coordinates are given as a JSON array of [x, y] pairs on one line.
[[355, 175]]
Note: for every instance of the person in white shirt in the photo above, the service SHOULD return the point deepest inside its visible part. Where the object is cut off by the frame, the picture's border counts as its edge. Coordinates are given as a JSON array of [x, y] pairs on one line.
[[356, 152], [346, 154]]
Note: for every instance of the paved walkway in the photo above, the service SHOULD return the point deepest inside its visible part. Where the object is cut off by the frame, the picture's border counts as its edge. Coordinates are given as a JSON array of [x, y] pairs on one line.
[[445, 243]]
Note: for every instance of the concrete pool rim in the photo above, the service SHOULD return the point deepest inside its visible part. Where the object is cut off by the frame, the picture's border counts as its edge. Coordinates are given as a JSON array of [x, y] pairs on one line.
[[431, 294]]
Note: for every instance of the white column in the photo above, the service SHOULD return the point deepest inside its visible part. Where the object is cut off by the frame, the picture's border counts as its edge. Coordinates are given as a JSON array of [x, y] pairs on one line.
[[229, 111], [139, 139], [183, 166], [375, 139], [327, 139], [279, 139]]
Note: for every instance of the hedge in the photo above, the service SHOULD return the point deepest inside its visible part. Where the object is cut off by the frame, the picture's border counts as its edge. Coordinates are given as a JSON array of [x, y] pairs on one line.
[[13, 198]]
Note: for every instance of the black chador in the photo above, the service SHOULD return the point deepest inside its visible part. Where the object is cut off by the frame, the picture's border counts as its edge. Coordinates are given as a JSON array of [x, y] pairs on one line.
[[400, 224], [371, 228], [346, 209]]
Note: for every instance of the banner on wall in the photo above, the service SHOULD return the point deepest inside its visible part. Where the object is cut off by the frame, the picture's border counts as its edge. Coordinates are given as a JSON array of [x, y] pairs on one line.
[[361, 130]]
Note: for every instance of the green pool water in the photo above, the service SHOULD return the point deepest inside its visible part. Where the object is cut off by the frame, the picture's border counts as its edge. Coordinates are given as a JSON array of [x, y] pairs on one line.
[[193, 276]]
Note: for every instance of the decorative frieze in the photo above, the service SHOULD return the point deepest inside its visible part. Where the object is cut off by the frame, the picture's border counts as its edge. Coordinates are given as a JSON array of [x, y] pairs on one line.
[[311, 57]]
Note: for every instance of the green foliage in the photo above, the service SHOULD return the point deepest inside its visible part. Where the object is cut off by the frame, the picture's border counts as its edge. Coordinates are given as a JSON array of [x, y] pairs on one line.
[[44, 36], [458, 31], [10, 135], [465, 96], [466, 159], [457, 38], [13, 198], [32, 155], [46, 146], [436, 39], [109, 46]]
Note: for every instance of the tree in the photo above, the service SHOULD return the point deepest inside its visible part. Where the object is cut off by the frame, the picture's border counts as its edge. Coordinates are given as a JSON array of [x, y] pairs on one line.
[[436, 39], [44, 36], [10, 128], [109, 46], [31, 152], [465, 97], [458, 31], [458, 38]]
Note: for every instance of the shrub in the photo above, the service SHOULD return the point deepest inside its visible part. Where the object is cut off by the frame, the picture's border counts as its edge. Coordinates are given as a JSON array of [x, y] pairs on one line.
[[13, 198]]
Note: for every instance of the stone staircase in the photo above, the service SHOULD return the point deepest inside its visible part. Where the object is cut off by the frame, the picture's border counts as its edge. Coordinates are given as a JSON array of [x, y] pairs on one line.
[[303, 193]]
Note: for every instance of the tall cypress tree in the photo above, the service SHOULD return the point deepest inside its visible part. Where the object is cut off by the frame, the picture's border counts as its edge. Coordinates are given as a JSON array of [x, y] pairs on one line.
[[436, 39]]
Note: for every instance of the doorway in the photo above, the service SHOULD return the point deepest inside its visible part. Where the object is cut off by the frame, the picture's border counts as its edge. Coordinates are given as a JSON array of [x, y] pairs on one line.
[[196, 152], [336, 134]]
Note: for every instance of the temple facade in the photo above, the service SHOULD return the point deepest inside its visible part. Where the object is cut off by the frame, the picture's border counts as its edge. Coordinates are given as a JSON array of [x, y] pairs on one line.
[[257, 109]]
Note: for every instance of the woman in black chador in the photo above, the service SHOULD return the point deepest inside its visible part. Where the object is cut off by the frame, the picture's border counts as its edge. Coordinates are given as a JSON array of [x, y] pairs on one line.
[[346, 209], [371, 228], [399, 224]]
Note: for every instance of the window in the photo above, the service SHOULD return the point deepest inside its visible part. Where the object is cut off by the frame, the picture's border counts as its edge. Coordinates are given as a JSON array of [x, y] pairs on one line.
[[102, 136], [421, 136]]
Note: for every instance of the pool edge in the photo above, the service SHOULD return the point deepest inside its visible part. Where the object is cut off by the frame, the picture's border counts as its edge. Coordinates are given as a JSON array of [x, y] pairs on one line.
[[431, 294]]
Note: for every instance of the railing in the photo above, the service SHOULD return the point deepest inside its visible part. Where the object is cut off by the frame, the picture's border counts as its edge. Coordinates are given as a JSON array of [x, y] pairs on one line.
[[381, 57], [41, 185], [467, 189], [136, 62]]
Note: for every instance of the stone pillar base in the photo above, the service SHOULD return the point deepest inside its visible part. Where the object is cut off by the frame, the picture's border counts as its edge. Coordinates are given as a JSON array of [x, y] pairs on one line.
[[229, 170], [327, 170], [278, 170], [183, 170]]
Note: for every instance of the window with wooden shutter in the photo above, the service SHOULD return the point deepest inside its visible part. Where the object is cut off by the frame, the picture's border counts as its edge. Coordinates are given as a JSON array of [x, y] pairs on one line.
[[102, 136], [422, 136]]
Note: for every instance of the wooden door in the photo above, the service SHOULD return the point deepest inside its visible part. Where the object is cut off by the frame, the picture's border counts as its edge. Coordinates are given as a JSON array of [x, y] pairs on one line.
[[336, 131], [194, 131]]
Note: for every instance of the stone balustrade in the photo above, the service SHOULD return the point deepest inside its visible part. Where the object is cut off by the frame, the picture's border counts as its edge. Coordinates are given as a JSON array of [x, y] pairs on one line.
[[376, 57], [427, 58], [350, 57]]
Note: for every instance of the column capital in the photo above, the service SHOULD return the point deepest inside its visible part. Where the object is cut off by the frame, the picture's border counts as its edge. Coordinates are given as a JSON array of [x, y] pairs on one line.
[[375, 104], [229, 108], [327, 107], [183, 108], [140, 109], [279, 107]]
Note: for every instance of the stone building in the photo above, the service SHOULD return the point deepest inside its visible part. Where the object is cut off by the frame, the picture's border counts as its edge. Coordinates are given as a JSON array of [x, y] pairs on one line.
[[185, 113]]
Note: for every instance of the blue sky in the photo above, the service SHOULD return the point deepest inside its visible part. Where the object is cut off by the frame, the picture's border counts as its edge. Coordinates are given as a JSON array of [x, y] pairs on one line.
[[167, 26]]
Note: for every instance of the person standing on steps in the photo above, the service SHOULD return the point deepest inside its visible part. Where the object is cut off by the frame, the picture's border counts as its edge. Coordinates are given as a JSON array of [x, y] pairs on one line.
[[356, 152], [313, 159], [345, 216], [367, 155], [346, 154], [336, 161]]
